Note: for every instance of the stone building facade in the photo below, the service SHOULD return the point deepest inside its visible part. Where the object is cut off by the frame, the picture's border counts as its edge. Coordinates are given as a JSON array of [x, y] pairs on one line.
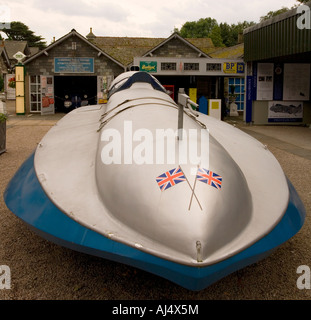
[[75, 69], [70, 66]]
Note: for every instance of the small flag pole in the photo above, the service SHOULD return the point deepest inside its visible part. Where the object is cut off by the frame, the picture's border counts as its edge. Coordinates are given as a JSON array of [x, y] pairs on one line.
[[193, 194], [195, 182]]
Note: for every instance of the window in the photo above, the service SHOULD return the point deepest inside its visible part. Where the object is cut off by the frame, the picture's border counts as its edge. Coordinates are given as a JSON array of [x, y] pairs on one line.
[[168, 66], [35, 94], [213, 67], [239, 91], [191, 66]]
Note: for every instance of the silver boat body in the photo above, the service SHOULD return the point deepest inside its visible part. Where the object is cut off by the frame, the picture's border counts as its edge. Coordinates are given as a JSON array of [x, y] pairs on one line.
[[191, 223]]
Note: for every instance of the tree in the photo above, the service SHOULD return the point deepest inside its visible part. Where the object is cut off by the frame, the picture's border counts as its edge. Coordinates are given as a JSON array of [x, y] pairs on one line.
[[230, 33], [215, 35], [20, 32], [272, 14], [221, 34], [198, 29]]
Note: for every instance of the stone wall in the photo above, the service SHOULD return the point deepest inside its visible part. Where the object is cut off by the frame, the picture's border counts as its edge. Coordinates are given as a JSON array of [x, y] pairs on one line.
[[44, 64], [177, 49]]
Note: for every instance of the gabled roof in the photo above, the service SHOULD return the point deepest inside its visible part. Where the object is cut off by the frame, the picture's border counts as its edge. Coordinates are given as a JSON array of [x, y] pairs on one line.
[[14, 46], [175, 35], [5, 56], [124, 49], [204, 44], [73, 32], [234, 52]]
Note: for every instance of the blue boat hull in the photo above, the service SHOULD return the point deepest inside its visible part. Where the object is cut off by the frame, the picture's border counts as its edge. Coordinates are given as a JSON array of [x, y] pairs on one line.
[[25, 197]]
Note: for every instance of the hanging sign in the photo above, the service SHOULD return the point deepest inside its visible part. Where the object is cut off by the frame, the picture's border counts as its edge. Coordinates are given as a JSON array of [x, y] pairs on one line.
[[19, 56]]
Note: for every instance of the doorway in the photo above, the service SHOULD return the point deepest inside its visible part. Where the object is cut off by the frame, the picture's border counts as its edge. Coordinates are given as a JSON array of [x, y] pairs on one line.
[[74, 91]]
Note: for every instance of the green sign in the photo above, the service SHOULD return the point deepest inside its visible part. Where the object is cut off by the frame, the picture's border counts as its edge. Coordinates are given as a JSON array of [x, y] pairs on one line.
[[148, 66]]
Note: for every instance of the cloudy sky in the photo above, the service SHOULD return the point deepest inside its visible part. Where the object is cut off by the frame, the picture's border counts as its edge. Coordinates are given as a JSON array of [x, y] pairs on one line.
[[132, 18]]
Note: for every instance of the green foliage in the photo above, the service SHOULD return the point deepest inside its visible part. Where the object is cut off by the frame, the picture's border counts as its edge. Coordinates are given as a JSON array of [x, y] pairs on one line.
[[198, 29], [221, 34], [272, 14], [3, 117], [20, 32]]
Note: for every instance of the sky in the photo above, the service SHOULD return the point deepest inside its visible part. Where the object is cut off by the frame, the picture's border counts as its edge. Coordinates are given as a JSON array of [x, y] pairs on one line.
[[129, 18]]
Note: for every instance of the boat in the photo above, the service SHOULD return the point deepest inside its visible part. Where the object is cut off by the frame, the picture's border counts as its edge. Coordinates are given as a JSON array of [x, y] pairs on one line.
[[154, 184]]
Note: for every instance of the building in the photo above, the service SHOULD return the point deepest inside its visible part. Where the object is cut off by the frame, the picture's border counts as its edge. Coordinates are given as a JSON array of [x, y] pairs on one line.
[[278, 58], [71, 66], [74, 67]]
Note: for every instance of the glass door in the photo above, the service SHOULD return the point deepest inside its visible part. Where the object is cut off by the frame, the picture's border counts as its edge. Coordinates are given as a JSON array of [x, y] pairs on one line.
[[35, 94]]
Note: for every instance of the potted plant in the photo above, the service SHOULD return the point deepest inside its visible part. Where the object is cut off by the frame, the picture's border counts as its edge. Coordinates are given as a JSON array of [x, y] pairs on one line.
[[3, 118], [232, 95]]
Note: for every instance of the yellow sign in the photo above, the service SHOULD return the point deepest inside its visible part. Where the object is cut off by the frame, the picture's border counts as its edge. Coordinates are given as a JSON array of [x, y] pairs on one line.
[[20, 89], [215, 105], [233, 67], [193, 94]]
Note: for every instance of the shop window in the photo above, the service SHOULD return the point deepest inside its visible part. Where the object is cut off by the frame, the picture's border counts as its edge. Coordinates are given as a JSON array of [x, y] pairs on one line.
[[168, 66], [35, 94], [239, 89], [191, 66], [213, 67]]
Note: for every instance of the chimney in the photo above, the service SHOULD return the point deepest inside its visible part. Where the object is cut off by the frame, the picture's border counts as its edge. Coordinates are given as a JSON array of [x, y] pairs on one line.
[[91, 35]]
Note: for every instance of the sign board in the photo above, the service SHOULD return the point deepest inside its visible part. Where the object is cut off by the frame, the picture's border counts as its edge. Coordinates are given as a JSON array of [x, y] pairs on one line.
[[265, 73], [296, 84], [285, 111], [74, 65], [148, 66], [233, 67], [214, 108], [19, 56], [193, 94]]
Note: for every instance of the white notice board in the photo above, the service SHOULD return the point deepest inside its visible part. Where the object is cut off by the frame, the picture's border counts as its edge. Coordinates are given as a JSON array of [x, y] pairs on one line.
[[296, 81], [265, 81], [214, 108]]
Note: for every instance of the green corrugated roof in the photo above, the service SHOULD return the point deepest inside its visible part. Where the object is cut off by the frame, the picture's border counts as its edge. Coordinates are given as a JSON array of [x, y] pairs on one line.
[[276, 37]]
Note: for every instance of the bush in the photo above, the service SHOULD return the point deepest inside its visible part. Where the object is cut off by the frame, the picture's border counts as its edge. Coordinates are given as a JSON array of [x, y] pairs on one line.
[[3, 117]]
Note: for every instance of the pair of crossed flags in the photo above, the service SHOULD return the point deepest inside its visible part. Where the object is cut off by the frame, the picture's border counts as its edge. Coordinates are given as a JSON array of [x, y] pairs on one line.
[[172, 177]]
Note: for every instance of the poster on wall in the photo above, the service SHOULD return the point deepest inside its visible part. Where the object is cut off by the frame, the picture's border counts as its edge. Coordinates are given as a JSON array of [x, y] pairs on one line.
[[265, 73], [296, 81], [47, 95], [285, 111], [10, 85]]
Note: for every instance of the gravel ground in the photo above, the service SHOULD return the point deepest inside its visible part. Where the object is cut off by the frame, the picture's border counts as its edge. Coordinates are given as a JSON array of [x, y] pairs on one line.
[[43, 270]]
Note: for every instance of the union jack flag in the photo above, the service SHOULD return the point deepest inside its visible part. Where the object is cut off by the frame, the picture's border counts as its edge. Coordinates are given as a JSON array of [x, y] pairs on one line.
[[209, 177], [170, 178]]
